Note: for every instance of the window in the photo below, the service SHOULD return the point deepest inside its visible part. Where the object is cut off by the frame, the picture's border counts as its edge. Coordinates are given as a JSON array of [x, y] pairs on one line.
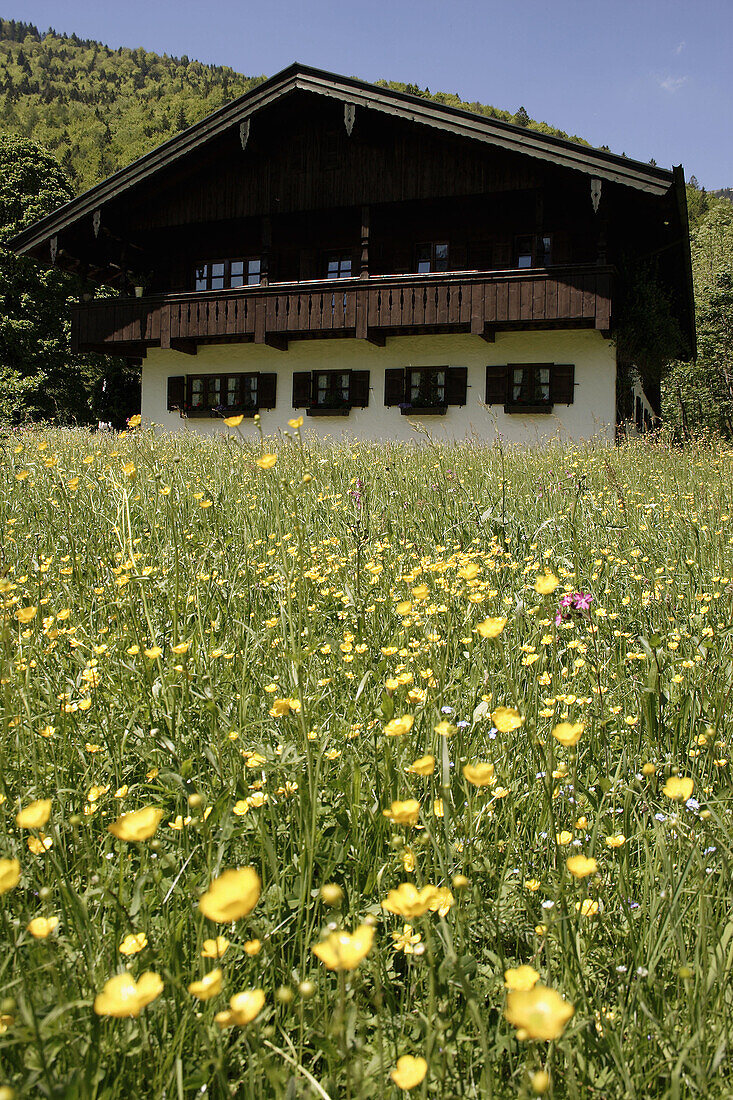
[[524, 252], [330, 392], [425, 389], [533, 251], [338, 265], [227, 394], [432, 256], [229, 274], [530, 387]]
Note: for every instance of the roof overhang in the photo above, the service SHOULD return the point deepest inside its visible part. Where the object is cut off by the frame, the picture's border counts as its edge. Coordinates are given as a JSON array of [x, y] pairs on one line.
[[452, 120]]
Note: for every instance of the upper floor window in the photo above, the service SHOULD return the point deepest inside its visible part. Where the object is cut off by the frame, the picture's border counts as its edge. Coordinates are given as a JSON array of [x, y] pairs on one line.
[[432, 256], [229, 274], [533, 251], [338, 265]]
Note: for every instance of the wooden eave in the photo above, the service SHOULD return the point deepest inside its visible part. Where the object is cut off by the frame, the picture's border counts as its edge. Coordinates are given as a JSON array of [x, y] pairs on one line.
[[558, 151]]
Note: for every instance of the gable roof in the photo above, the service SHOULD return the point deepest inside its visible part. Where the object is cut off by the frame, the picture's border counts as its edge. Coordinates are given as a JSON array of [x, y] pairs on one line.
[[360, 94]]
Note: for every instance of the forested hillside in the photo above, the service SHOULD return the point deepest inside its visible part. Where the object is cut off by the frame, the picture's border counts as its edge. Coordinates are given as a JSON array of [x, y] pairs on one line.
[[96, 109]]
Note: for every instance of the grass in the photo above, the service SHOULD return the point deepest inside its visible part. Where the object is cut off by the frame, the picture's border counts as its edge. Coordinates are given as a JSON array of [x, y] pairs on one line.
[[289, 615]]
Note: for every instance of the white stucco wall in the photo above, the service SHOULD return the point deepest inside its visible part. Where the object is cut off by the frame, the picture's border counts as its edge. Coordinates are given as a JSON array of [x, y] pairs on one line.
[[592, 415]]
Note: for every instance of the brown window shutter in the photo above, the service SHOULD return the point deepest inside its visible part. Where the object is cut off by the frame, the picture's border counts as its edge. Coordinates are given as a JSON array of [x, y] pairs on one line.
[[266, 391], [359, 389], [394, 386], [301, 389], [562, 383], [456, 386], [176, 392], [497, 385]]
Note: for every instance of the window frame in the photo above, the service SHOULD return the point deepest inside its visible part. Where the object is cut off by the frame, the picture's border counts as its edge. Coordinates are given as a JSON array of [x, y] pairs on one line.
[[434, 407], [539, 255], [207, 265], [433, 268], [339, 256], [534, 404], [212, 411], [338, 406]]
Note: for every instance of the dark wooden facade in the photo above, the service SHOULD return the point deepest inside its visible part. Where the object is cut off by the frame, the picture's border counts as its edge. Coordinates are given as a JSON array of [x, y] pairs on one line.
[[284, 178]]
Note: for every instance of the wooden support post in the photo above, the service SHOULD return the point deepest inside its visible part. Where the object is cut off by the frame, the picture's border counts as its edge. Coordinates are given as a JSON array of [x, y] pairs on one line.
[[364, 266], [266, 248]]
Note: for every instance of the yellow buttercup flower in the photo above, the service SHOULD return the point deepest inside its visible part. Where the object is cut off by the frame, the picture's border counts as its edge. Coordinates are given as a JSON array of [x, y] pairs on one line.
[[25, 614], [546, 584], [587, 907], [399, 726], [581, 866], [232, 895], [133, 943], [214, 949], [34, 815], [123, 996], [424, 765], [409, 1072], [409, 902], [252, 948], [480, 774], [616, 841], [679, 788], [540, 1013], [243, 1009], [445, 729], [9, 874], [296, 422], [343, 950], [154, 652], [266, 462], [134, 421], [421, 592], [404, 607], [507, 719], [282, 707], [233, 421], [41, 927], [442, 901], [209, 986], [521, 978], [138, 825], [568, 733], [403, 813], [491, 628]]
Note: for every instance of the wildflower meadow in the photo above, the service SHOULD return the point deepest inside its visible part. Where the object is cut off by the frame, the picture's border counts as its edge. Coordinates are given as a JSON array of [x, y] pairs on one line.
[[364, 770]]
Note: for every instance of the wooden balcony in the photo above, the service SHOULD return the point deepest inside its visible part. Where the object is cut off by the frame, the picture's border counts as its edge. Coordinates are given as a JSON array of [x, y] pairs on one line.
[[371, 309]]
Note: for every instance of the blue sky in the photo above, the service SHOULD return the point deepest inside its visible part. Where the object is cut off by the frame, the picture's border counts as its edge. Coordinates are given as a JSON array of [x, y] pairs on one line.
[[651, 78]]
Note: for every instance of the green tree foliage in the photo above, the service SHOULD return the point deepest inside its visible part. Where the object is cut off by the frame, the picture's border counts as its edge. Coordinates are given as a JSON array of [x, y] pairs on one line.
[[39, 376], [97, 109], [698, 397]]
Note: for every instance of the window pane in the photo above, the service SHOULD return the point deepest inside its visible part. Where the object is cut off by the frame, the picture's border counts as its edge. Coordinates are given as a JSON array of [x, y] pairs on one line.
[[441, 257], [232, 390], [217, 276], [524, 259], [236, 273], [197, 392], [214, 392], [253, 272], [250, 390], [345, 268], [423, 259], [543, 384], [333, 269], [201, 277], [517, 383]]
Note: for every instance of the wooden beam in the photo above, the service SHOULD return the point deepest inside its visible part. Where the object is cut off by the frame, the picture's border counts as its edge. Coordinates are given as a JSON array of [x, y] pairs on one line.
[[274, 341], [377, 338], [364, 265], [489, 334], [188, 347]]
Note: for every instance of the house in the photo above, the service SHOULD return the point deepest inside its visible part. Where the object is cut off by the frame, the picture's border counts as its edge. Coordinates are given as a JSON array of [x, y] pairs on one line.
[[370, 259]]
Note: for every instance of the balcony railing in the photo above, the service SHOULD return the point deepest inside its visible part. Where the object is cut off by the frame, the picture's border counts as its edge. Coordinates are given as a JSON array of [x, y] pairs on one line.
[[372, 309]]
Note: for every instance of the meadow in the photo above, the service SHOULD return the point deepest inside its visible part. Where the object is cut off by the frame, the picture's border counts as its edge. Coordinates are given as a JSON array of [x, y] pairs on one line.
[[364, 771]]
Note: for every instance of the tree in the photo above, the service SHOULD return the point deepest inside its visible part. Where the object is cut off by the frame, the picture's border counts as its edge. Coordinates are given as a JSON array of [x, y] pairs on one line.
[[39, 376]]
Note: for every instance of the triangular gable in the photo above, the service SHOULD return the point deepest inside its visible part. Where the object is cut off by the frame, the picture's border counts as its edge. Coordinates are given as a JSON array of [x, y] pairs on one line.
[[356, 95]]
